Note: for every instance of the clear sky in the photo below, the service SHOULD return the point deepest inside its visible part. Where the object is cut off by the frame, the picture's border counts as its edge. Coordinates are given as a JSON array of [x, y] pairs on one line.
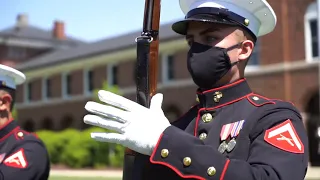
[[88, 20]]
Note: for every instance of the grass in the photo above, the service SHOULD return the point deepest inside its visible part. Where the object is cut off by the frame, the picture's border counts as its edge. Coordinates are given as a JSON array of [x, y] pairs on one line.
[[81, 178]]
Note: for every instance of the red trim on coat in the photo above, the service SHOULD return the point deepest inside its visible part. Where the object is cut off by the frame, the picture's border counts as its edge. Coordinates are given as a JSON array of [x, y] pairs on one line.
[[221, 105], [169, 165], [224, 169], [7, 135], [223, 87]]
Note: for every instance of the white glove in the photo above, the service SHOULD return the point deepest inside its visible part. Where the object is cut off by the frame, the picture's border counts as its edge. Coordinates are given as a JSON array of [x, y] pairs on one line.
[[138, 127]]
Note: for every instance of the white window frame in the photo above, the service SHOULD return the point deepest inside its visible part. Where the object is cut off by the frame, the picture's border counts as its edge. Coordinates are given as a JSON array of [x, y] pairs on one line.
[[311, 14], [109, 73], [64, 85], [164, 68]]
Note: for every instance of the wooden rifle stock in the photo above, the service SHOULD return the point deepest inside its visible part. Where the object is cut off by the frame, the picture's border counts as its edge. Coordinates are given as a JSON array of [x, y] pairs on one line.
[[146, 73]]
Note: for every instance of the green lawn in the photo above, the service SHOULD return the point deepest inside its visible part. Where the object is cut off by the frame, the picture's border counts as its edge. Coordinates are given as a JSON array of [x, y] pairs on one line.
[[81, 178]]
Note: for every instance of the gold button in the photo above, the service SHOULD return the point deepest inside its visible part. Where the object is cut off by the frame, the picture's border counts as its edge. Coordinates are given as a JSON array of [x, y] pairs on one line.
[[203, 136], [206, 117], [164, 153], [211, 171], [197, 98], [217, 96], [20, 134], [255, 98], [246, 22], [186, 161]]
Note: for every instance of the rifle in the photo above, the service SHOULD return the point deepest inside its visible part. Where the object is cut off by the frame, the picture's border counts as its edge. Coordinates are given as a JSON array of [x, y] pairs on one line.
[[145, 72]]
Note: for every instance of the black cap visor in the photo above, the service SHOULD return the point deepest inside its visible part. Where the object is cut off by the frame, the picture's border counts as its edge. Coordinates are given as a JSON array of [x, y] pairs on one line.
[[181, 27], [211, 15]]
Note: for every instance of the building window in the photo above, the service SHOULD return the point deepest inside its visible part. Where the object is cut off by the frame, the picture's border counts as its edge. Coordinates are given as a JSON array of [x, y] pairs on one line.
[[314, 37], [311, 32], [28, 92], [48, 91], [89, 81], [170, 70], [16, 52], [66, 85], [46, 88], [167, 67], [112, 75], [254, 60]]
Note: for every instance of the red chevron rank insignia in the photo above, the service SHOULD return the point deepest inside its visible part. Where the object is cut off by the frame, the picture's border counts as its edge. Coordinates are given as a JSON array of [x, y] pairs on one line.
[[285, 137], [16, 160]]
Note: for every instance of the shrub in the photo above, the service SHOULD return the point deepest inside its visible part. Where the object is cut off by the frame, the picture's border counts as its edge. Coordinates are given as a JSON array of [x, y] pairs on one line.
[[53, 143], [117, 156], [99, 150], [76, 149], [75, 155]]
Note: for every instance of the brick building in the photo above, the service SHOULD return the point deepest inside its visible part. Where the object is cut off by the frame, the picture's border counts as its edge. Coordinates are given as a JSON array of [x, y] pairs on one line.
[[284, 66], [24, 41]]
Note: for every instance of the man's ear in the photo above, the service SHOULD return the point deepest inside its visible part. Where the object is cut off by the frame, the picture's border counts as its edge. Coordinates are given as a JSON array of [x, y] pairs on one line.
[[7, 100], [246, 50]]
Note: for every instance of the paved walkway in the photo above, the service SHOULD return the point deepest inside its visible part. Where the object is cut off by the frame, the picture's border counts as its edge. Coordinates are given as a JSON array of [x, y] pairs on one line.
[[312, 174], [86, 173]]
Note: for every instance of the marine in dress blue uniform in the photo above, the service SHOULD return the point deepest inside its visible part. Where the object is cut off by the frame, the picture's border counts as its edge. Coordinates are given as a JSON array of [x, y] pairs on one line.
[[22, 154], [232, 133]]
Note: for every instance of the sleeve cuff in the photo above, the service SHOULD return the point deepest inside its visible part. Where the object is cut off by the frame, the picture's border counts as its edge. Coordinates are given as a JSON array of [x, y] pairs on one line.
[[188, 156]]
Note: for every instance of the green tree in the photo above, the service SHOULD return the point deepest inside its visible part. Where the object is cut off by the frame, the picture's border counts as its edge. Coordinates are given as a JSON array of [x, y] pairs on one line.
[[15, 114], [115, 151], [107, 87]]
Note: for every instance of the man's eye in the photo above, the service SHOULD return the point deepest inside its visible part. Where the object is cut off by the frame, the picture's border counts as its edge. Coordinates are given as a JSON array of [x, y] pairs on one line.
[[210, 39], [189, 42]]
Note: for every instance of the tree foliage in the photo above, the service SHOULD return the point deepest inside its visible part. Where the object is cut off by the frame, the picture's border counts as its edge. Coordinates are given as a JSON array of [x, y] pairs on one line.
[[106, 87], [15, 114]]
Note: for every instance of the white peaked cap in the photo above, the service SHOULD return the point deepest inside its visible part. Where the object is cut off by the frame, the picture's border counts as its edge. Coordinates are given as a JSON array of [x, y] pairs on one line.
[[10, 77], [260, 17]]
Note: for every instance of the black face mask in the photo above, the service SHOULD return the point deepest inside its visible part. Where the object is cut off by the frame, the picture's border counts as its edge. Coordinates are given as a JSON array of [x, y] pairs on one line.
[[208, 64]]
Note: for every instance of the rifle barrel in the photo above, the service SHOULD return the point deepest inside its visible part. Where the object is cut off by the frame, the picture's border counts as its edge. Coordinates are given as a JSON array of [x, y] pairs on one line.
[[146, 78]]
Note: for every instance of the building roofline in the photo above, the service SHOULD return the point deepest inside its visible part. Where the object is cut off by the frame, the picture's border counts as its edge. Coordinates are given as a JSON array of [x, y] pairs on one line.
[[101, 59], [24, 33], [6, 37], [104, 46]]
